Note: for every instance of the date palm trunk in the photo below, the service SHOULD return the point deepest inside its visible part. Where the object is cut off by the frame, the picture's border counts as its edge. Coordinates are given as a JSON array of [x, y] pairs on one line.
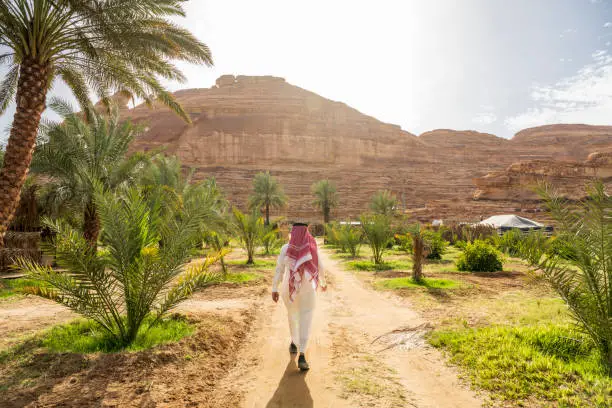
[[418, 247], [91, 224], [31, 95], [267, 214]]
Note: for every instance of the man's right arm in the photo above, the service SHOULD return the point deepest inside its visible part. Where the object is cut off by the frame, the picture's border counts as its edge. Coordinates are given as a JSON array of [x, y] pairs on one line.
[[280, 269]]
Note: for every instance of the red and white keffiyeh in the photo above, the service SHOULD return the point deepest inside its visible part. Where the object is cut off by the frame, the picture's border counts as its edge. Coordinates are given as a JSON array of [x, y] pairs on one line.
[[303, 256]]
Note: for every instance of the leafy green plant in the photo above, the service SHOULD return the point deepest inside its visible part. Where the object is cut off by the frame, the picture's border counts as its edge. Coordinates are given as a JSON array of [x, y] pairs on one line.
[[271, 239], [378, 233], [141, 270], [350, 238], [435, 244], [479, 256], [219, 242], [250, 229], [267, 193], [404, 242], [383, 203], [326, 197], [510, 242], [332, 236], [583, 278]]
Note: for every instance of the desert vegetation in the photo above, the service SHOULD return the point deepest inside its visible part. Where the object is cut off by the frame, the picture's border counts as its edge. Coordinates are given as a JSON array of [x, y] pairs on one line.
[[518, 311]]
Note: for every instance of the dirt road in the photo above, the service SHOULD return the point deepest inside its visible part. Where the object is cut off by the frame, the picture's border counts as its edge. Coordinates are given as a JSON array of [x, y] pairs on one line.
[[364, 351]]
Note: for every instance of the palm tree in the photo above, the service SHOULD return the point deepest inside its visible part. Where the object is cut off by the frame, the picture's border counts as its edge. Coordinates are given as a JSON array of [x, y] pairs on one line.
[[267, 192], [580, 267], [418, 251], [250, 229], [384, 203], [82, 156], [133, 277], [102, 46], [326, 197]]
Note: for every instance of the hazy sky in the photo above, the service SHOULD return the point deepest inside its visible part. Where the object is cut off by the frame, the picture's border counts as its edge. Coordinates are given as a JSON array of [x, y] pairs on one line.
[[496, 66]]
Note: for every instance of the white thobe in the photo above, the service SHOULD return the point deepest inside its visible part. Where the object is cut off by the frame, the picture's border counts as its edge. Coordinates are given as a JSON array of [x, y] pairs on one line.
[[299, 310]]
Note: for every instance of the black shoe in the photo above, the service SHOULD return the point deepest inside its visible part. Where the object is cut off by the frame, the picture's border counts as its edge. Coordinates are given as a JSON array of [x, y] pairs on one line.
[[302, 364], [293, 349]]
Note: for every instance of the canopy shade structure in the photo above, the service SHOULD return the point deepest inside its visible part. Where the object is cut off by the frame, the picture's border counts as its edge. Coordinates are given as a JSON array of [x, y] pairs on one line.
[[509, 221]]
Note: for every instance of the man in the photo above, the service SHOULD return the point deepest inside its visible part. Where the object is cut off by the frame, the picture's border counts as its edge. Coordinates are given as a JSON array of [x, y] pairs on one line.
[[301, 273]]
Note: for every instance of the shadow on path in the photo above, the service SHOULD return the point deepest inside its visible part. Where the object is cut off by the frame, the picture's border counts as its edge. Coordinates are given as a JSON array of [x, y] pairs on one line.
[[292, 390]]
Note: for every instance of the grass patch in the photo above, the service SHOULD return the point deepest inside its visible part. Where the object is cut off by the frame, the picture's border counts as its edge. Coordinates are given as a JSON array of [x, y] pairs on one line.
[[259, 263], [552, 364], [430, 283], [387, 266], [85, 336], [12, 287], [241, 277]]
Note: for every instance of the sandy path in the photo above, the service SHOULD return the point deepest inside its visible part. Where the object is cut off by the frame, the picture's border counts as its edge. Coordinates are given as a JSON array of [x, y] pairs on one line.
[[348, 318], [27, 315]]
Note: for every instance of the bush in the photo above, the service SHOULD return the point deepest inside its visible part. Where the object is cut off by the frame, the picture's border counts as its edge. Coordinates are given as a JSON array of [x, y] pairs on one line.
[[434, 243], [404, 242], [479, 257], [460, 244], [466, 232], [350, 239], [377, 229], [332, 234], [510, 242]]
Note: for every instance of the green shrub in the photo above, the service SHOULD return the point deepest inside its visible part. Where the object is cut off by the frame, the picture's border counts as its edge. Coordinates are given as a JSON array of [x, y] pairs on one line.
[[460, 244], [332, 234], [510, 242], [350, 238], [377, 229], [479, 257], [404, 242], [435, 244]]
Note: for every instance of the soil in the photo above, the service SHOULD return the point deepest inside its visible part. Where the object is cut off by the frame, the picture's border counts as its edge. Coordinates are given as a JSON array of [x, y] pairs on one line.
[[348, 323], [366, 350]]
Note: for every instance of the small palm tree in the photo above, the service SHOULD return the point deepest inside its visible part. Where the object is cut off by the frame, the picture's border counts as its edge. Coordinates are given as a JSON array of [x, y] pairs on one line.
[[418, 251], [384, 203], [377, 230], [102, 46], [133, 276], [271, 239], [81, 156], [580, 268], [171, 187], [326, 197], [267, 193], [250, 229]]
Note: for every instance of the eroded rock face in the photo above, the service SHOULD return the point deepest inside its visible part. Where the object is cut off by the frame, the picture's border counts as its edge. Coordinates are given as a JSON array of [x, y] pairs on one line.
[[244, 124], [520, 180]]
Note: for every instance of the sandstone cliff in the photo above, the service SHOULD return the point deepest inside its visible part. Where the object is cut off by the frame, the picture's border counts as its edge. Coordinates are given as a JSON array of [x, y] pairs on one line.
[[243, 125]]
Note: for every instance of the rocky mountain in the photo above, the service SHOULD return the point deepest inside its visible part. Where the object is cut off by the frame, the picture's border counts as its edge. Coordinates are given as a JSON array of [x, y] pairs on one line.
[[246, 124]]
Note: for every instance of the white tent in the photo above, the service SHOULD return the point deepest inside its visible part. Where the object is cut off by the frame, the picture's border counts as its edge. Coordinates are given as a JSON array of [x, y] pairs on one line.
[[509, 221]]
